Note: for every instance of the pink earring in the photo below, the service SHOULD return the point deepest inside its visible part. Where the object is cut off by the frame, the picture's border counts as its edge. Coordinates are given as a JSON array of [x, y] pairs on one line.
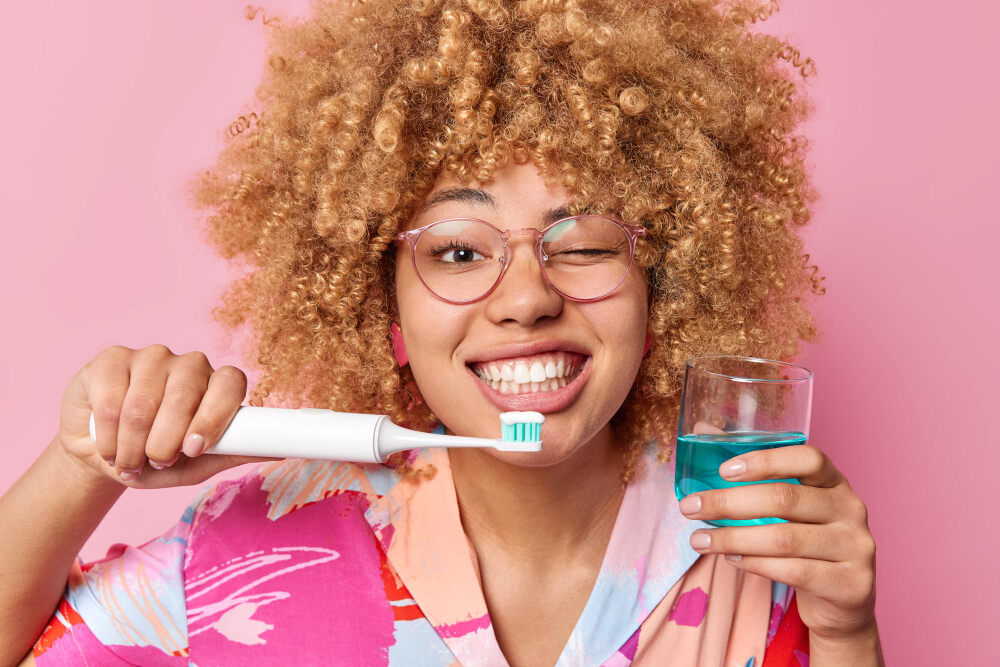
[[398, 346], [645, 348]]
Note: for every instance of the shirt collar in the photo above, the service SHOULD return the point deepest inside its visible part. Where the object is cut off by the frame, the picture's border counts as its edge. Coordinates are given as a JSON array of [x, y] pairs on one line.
[[419, 528]]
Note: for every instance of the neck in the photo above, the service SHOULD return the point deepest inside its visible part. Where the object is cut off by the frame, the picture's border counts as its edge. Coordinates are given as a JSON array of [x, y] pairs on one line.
[[541, 515]]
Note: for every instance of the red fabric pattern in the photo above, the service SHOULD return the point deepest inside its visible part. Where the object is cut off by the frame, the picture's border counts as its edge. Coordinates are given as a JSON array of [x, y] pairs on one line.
[[790, 646]]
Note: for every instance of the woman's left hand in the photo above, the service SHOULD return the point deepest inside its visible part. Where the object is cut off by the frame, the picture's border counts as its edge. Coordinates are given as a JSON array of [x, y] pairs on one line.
[[826, 551]]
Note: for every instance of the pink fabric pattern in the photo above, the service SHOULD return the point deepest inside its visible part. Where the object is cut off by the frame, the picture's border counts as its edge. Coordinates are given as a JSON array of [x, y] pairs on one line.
[[306, 559]]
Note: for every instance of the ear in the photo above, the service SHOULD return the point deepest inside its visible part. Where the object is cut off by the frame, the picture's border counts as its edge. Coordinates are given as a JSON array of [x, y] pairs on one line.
[[645, 347], [398, 346]]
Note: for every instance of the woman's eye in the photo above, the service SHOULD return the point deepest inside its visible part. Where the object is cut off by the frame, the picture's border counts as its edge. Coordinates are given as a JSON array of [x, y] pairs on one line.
[[587, 252], [584, 253], [459, 255]]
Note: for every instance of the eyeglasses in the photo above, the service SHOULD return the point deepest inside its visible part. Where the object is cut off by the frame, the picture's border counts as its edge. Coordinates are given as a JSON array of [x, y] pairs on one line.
[[583, 258]]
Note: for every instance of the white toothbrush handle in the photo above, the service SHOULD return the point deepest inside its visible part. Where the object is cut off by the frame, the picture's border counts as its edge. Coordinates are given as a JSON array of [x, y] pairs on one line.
[[314, 433], [305, 433]]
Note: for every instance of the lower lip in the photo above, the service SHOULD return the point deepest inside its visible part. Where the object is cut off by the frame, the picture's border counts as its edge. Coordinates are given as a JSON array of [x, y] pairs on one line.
[[539, 401]]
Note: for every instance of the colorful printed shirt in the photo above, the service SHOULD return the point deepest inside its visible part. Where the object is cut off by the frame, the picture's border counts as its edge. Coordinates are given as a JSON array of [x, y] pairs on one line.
[[313, 562]]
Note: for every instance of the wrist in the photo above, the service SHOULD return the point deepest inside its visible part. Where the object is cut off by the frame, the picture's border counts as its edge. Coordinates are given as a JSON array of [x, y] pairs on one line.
[[860, 648], [81, 474]]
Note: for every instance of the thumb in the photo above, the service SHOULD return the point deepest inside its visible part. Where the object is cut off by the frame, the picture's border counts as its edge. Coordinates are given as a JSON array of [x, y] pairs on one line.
[[190, 471], [208, 465], [704, 428]]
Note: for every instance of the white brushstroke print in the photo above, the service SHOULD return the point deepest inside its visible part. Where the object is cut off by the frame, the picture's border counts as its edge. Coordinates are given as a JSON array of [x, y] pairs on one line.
[[232, 615]]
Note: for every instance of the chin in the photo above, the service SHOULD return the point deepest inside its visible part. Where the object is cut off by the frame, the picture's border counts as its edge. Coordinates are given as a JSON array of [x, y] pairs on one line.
[[558, 446], [549, 456]]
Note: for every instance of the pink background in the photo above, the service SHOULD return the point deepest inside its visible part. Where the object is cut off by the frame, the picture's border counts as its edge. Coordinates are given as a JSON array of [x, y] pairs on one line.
[[109, 106]]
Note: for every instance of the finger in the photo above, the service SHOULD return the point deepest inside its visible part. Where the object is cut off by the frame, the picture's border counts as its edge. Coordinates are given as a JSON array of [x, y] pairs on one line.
[[798, 540], [806, 463], [843, 584], [793, 502], [106, 383], [806, 574], [142, 402], [186, 385], [226, 389], [190, 471], [704, 428]]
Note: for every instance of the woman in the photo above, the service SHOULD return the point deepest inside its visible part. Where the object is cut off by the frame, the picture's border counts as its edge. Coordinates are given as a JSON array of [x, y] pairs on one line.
[[667, 125]]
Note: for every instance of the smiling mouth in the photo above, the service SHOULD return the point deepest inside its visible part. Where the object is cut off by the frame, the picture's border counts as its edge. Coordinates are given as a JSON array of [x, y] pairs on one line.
[[532, 374]]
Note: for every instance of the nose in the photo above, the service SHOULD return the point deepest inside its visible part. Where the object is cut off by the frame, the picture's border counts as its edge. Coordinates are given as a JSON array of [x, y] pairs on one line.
[[523, 296]]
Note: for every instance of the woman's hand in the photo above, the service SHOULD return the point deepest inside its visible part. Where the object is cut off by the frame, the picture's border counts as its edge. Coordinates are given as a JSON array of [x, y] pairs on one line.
[[826, 551], [150, 407]]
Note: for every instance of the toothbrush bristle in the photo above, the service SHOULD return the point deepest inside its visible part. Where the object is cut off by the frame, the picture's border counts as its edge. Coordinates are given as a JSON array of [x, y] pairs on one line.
[[522, 427]]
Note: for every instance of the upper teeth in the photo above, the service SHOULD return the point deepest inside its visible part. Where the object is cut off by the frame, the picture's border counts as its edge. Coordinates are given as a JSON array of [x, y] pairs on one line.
[[542, 373]]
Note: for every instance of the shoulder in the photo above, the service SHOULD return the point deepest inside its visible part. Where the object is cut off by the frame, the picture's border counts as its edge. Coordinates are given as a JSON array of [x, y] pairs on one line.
[[272, 491], [270, 548], [281, 506]]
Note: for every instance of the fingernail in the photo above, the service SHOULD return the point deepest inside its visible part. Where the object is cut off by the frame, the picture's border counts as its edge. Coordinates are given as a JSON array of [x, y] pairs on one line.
[[128, 475], [193, 445], [734, 468], [161, 466], [733, 557], [701, 540], [110, 461], [690, 504]]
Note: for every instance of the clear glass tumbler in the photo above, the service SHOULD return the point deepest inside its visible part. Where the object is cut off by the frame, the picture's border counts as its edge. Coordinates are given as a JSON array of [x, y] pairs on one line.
[[733, 405]]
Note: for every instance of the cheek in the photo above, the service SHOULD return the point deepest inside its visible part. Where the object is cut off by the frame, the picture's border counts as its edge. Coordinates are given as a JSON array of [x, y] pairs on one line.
[[624, 321], [625, 317], [416, 305], [432, 329]]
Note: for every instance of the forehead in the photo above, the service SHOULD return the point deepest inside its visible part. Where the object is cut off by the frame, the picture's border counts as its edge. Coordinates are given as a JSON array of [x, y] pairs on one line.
[[515, 194]]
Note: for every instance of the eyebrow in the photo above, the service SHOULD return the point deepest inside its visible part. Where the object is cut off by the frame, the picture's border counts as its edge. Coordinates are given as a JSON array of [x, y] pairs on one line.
[[472, 196], [477, 197]]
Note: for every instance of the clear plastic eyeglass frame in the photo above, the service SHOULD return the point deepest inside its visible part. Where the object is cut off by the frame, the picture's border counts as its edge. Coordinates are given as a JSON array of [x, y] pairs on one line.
[[632, 232]]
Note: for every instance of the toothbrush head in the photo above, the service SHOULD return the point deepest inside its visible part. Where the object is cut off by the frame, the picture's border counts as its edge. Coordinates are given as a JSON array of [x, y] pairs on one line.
[[520, 432]]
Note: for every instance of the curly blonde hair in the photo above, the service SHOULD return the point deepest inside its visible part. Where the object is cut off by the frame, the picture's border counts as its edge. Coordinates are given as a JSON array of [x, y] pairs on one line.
[[673, 115]]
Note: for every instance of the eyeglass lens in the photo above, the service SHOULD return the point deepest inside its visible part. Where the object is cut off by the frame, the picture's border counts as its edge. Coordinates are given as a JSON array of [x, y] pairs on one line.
[[584, 257]]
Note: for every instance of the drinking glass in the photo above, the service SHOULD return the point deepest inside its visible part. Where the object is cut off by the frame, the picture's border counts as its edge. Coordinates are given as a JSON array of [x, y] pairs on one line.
[[732, 405]]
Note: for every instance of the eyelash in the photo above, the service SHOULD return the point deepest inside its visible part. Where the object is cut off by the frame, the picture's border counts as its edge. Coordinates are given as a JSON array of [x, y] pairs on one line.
[[441, 251], [451, 245]]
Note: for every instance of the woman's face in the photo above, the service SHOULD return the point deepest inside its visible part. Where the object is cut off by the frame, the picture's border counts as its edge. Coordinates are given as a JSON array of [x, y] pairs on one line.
[[595, 347]]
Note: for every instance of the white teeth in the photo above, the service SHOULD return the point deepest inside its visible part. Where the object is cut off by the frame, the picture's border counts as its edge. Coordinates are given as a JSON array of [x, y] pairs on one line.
[[537, 372], [548, 384], [521, 373], [545, 373]]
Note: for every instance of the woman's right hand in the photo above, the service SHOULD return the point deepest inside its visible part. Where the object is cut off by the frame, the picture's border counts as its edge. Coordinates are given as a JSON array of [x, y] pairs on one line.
[[150, 407]]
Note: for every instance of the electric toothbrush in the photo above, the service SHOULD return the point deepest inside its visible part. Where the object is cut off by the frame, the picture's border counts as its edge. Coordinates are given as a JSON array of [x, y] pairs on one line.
[[315, 433]]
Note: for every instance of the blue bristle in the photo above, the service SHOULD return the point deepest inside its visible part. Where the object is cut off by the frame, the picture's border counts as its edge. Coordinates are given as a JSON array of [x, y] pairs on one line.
[[530, 431]]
